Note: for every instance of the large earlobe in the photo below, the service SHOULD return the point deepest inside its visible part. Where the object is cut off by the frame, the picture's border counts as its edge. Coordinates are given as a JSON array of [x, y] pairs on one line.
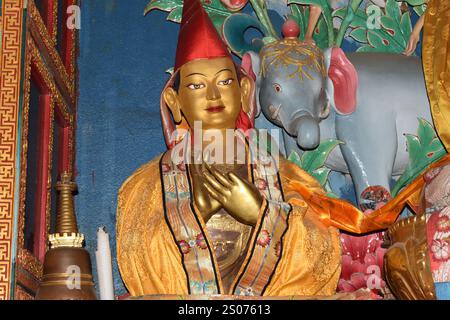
[[342, 81], [246, 93], [171, 99]]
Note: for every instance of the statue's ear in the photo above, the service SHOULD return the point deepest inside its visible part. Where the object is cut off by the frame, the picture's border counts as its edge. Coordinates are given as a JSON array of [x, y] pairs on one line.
[[246, 93], [251, 64], [342, 81], [173, 102]]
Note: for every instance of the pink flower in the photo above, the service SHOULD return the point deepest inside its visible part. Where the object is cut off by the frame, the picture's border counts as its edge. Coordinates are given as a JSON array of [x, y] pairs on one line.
[[201, 242], [261, 184], [440, 249], [357, 247], [184, 246], [165, 167], [181, 166], [443, 224], [264, 238], [360, 280], [362, 262]]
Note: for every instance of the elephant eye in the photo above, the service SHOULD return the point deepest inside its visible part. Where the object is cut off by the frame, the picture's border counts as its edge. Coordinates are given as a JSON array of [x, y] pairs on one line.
[[277, 87]]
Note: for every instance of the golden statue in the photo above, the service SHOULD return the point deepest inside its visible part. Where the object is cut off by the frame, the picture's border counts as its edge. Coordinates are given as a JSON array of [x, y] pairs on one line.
[[220, 228], [189, 225]]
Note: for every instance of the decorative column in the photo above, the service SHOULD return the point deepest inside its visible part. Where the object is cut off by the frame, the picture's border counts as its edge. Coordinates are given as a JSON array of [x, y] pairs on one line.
[[11, 43]]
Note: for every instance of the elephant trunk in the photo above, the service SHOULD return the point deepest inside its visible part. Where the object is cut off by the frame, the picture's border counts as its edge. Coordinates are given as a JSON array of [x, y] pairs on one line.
[[307, 131]]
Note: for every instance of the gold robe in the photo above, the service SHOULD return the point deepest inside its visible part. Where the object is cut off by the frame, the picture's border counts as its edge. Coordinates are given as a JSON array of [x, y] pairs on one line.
[[290, 251]]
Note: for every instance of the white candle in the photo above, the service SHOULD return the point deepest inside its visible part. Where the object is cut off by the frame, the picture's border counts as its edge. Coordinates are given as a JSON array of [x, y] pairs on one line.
[[104, 267]]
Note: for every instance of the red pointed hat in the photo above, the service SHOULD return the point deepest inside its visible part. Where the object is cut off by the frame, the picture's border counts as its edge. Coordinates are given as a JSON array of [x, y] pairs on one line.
[[198, 39]]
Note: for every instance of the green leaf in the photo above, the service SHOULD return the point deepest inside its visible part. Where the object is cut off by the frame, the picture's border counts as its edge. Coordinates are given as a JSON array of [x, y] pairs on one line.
[[366, 48], [425, 132], [215, 9], [314, 159], [359, 19], [164, 5], [299, 17], [359, 34], [170, 71], [420, 10], [320, 34], [376, 41], [321, 3], [295, 158], [175, 15], [393, 28], [423, 149], [414, 2], [321, 175], [413, 146], [406, 26], [340, 13], [393, 10]]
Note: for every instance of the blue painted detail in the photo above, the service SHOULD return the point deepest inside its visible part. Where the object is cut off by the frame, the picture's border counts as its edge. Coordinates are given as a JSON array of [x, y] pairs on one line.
[[442, 290], [199, 288]]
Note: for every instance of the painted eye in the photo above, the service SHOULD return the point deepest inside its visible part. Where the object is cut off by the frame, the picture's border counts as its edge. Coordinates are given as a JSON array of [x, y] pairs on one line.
[[196, 86], [225, 82], [277, 87]]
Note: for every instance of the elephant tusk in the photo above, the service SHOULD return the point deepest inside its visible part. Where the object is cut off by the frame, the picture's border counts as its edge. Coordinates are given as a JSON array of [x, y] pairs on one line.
[[275, 112]]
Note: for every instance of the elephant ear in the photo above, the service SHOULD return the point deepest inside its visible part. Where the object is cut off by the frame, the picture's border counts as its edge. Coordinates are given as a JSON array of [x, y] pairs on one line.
[[251, 65], [342, 81]]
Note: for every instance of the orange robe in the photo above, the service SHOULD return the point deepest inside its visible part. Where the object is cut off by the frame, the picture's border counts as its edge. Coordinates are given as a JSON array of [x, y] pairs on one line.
[[163, 246], [153, 260]]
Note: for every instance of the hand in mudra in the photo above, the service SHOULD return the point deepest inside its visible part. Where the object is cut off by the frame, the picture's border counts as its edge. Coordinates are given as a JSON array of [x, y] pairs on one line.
[[238, 197]]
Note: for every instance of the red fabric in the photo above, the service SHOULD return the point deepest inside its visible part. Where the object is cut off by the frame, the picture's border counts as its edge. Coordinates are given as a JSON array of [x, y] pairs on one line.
[[345, 80], [243, 122], [198, 39]]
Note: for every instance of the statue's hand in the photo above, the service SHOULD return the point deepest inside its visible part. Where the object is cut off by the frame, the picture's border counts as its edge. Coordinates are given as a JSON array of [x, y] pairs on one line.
[[411, 46], [240, 198], [206, 204]]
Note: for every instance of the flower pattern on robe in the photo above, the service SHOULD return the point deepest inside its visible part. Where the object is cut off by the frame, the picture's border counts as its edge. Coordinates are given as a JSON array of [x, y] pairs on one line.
[[264, 238], [440, 249], [437, 203], [201, 242]]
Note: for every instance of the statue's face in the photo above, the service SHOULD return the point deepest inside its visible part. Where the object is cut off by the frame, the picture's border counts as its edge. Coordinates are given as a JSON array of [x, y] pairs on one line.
[[209, 92]]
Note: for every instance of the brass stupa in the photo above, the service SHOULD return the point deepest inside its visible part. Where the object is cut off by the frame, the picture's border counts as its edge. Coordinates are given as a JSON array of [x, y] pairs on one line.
[[67, 266]]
